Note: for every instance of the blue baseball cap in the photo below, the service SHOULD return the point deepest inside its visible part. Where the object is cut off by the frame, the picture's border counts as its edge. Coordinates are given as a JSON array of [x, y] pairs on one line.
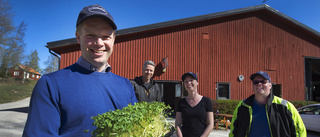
[[261, 73], [95, 11], [189, 74]]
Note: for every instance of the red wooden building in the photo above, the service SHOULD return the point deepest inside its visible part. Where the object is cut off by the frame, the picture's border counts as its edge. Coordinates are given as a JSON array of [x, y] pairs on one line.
[[222, 48], [24, 72]]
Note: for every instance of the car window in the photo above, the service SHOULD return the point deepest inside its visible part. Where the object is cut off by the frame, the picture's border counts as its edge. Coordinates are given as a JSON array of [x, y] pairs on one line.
[[312, 110], [317, 112]]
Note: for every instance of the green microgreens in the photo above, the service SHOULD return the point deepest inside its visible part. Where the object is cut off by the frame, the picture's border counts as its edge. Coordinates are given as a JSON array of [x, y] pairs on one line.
[[138, 120]]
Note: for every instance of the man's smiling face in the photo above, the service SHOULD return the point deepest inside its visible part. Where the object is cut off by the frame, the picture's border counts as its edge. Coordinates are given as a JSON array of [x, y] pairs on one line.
[[96, 39], [262, 87]]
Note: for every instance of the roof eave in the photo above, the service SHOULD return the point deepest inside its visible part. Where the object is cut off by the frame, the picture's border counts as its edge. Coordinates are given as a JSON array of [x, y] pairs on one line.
[[307, 28], [132, 30], [189, 20], [60, 43]]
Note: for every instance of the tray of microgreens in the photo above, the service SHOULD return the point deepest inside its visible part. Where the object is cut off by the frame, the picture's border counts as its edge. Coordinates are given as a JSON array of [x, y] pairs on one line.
[[139, 120]]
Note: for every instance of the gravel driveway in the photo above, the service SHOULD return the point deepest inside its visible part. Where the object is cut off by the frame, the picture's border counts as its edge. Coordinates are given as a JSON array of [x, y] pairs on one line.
[[13, 118]]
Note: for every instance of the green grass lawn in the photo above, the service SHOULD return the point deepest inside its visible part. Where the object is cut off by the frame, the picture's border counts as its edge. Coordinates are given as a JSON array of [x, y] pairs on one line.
[[13, 90]]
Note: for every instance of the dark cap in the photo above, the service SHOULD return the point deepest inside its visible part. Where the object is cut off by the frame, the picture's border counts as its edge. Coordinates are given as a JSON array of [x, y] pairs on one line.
[[189, 74], [95, 11], [261, 73]]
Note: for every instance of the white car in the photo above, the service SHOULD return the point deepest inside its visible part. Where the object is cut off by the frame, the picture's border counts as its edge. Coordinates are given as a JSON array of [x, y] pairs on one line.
[[310, 115]]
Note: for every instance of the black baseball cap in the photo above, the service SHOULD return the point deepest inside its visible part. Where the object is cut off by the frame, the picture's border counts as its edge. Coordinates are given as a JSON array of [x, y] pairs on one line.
[[261, 73], [95, 11], [189, 74]]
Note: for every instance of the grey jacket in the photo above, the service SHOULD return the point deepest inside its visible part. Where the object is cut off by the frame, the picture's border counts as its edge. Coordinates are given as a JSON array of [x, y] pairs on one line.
[[147, 94]]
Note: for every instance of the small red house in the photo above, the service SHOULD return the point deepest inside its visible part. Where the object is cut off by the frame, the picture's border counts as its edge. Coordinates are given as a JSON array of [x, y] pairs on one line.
[[24, 72]]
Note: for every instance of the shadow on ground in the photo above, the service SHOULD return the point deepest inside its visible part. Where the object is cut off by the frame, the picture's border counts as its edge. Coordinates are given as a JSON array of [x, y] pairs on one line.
[[22, 109]]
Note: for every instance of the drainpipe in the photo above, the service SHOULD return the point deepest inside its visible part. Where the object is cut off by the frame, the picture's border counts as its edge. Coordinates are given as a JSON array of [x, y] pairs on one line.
[[54, 54]]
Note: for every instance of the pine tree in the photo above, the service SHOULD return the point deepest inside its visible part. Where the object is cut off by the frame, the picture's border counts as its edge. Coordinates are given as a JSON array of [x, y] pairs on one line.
[[33, 61]]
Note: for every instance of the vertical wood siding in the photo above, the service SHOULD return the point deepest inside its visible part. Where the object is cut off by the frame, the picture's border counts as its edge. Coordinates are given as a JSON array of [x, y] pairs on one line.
[[218, 50]]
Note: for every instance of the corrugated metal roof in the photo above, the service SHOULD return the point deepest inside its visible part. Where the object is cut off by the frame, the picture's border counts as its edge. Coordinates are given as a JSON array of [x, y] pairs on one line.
[[70, 41]]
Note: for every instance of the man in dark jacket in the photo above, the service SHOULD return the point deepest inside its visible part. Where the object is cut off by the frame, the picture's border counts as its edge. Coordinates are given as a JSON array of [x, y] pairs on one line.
[[265, 115], [145, 88]]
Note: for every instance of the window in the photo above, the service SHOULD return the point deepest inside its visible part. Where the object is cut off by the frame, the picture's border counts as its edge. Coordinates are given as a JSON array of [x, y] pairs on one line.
[[312, 110], [16, 73], [37, 76], [32, 75], [171, 92], [277, 89], [223, 90], [16, 68], [178, 90]]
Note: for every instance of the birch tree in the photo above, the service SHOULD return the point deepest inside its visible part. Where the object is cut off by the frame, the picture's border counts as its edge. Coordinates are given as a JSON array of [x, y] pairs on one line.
[[12, 44], [52, 64]]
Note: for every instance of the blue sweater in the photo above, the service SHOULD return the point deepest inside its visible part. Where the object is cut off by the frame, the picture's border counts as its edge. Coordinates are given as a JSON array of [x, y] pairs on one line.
[[63, 102]]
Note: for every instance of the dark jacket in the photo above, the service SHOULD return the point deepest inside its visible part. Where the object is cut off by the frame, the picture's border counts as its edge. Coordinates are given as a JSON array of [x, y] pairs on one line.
[[283, 118], [147, 94]]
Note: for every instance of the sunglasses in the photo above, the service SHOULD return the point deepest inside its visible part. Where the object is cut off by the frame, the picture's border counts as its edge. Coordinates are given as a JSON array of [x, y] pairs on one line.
[[255, 82]]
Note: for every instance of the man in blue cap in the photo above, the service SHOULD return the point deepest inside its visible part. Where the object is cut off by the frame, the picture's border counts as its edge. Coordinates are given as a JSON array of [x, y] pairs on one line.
[[63, 102], [265, 115]]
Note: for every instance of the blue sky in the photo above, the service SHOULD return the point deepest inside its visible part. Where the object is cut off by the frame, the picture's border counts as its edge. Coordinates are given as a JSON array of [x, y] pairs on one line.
[[53, 20]]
